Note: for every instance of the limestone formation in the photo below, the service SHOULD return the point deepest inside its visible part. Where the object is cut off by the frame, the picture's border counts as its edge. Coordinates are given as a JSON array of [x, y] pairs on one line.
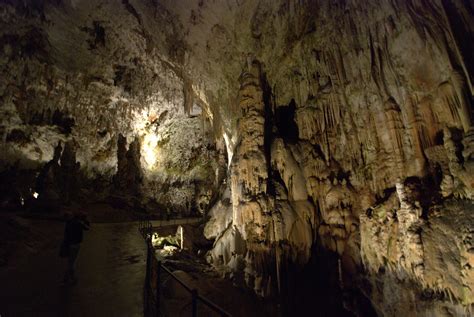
[[291, 125]]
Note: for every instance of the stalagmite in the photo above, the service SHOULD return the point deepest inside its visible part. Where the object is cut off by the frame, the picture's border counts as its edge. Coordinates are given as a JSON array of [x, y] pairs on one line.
[[327, 138]]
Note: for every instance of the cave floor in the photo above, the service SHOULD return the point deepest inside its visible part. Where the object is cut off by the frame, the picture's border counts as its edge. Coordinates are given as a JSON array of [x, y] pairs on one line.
[[110, 270]]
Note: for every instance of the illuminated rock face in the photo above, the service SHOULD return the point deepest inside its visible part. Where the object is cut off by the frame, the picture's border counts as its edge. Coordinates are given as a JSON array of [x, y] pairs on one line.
[[249, 173], [346, 124], [70, 74]]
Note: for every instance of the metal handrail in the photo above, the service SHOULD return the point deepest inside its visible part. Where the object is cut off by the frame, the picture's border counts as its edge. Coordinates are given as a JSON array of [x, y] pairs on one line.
[[213, 305], [145, 229], [177, 279], [203, 299]]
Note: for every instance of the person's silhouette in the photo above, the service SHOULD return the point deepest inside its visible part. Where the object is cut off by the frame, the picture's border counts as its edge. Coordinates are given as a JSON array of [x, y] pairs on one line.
[[73, 235]]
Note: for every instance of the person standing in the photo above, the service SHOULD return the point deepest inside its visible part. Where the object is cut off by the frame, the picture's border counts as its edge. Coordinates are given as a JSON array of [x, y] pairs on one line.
[[73, 235]]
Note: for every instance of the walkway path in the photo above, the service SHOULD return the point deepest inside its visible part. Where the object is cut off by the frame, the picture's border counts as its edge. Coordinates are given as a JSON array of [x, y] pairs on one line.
[[110, 268], [175, 222]]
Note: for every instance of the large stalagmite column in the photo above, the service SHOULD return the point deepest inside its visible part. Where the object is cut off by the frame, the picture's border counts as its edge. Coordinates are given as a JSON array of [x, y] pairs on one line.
[[251, 217], [249, 167]]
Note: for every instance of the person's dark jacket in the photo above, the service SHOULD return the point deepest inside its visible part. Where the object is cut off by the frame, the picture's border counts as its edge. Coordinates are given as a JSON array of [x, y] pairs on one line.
[[73, 232]]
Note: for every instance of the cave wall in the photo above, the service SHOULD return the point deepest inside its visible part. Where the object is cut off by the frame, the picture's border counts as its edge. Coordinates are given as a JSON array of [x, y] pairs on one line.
[[381, 97], [347, 126], [89, 74]]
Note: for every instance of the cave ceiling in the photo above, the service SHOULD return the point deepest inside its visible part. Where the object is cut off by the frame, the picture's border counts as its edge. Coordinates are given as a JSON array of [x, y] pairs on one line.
[[342, 123]]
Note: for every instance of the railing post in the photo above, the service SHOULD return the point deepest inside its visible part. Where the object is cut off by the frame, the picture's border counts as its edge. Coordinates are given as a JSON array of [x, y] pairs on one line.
[[147, 279], [158, 277], [147, 263], [181, 237], [194, 295]]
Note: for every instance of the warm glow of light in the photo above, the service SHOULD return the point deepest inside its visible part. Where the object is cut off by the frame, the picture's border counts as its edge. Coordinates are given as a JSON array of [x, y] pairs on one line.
[[170, 248], [162, 246], [180, 236], [228, 143], [154, 239], [149, 148], [35, 194]]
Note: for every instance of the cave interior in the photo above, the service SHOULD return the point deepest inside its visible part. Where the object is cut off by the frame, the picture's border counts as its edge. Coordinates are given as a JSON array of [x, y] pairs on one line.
[[323, 150]]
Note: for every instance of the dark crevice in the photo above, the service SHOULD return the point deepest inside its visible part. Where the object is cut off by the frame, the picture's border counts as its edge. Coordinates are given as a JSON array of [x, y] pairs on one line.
[[97, 34], [132, 10], [457, 136], [462, 36], [380, 199], [285, 122], [268, 127], [123, 78], [63, 122]]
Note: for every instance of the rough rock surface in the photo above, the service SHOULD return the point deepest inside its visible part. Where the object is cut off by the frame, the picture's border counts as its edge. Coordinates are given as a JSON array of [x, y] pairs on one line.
[[71, 75], [346, 125]]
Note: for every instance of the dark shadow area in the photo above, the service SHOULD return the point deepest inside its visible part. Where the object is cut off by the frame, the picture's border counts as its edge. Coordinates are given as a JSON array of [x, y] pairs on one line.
[[285, 122], [463, 37], [268, 127], [316, 288]]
